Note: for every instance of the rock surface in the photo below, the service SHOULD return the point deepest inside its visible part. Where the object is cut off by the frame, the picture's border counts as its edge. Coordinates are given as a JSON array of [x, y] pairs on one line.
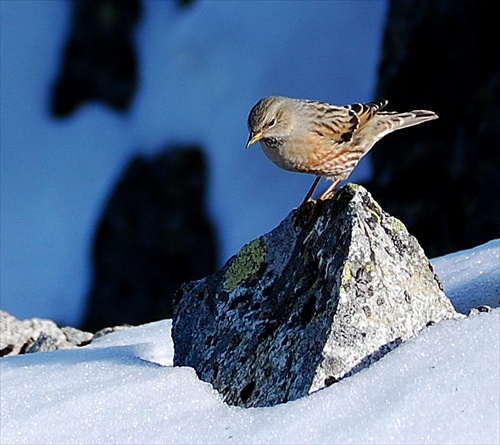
[[42, 335], [37, 335], [337, 285]]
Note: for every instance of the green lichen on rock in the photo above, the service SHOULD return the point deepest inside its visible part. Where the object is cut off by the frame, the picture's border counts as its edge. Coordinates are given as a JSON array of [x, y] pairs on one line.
[[246, 264], [397, 225], [352, 187], [346, 276]]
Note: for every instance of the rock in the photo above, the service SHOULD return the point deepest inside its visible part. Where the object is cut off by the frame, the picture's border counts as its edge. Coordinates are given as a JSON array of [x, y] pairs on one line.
[[447, 172], [154, 234], [479, 310], [42, 335], [37, 334], [109, 330], [336, 286], [44, 343]]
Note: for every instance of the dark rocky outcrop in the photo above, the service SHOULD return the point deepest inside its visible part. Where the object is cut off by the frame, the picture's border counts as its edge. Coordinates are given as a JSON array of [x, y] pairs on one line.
[[442, 180], [153, 236], [337, 285]]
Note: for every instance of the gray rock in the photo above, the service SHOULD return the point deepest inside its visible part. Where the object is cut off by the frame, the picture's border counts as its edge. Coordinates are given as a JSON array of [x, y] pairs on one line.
[[109, 330], [36, 335], [44, 343], [336, 286]]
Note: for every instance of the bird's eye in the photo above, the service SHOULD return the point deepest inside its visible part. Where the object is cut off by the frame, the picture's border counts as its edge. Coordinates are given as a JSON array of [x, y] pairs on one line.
[[272, 123]]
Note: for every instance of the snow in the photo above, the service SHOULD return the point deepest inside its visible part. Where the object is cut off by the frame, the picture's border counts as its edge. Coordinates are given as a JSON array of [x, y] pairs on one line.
[[442, 386], [202, 69], [465, 271]]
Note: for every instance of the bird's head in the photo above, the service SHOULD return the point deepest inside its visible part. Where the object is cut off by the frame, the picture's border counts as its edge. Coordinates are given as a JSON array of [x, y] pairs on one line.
[[269, 118]]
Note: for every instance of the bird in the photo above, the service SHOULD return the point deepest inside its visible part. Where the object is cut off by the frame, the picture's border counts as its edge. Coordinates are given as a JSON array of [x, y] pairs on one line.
[[310, 136]]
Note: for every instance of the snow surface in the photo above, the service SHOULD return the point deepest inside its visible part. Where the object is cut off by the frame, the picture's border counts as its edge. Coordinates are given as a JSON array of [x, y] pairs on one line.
[[442, 386], [465, 271], [202, 69]]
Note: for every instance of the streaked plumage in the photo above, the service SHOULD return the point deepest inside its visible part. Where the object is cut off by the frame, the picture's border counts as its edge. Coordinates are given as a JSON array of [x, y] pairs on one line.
[[319, 138]]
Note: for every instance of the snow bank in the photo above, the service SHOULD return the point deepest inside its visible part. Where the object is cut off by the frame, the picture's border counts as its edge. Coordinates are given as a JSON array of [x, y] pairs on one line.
[[441, 387]]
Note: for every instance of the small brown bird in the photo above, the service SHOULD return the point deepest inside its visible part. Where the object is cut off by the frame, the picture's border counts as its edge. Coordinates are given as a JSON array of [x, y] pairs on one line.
[[325, 140]]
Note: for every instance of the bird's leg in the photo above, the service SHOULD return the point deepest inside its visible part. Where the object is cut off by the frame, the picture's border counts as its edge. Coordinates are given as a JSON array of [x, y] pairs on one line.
[[329, 191], [311, 189]]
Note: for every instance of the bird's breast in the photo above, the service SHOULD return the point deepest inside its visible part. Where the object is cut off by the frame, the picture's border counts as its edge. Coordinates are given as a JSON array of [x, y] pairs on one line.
[[285, 155]]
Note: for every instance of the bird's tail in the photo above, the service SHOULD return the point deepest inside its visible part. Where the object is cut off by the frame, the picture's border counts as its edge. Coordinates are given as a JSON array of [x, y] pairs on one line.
[[402, 120]]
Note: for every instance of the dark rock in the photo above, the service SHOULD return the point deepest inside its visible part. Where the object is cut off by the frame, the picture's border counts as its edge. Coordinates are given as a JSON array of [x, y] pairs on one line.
[[99, 62], [480, 309], [442, 179], [153, 236], [37, 334], [44, 343], [336, 286]]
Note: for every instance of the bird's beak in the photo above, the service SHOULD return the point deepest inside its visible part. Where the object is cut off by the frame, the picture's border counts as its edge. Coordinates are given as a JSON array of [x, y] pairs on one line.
[[254, 138]]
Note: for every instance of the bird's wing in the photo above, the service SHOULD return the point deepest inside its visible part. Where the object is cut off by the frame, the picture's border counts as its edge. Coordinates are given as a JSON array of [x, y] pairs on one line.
[[340, 122]]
